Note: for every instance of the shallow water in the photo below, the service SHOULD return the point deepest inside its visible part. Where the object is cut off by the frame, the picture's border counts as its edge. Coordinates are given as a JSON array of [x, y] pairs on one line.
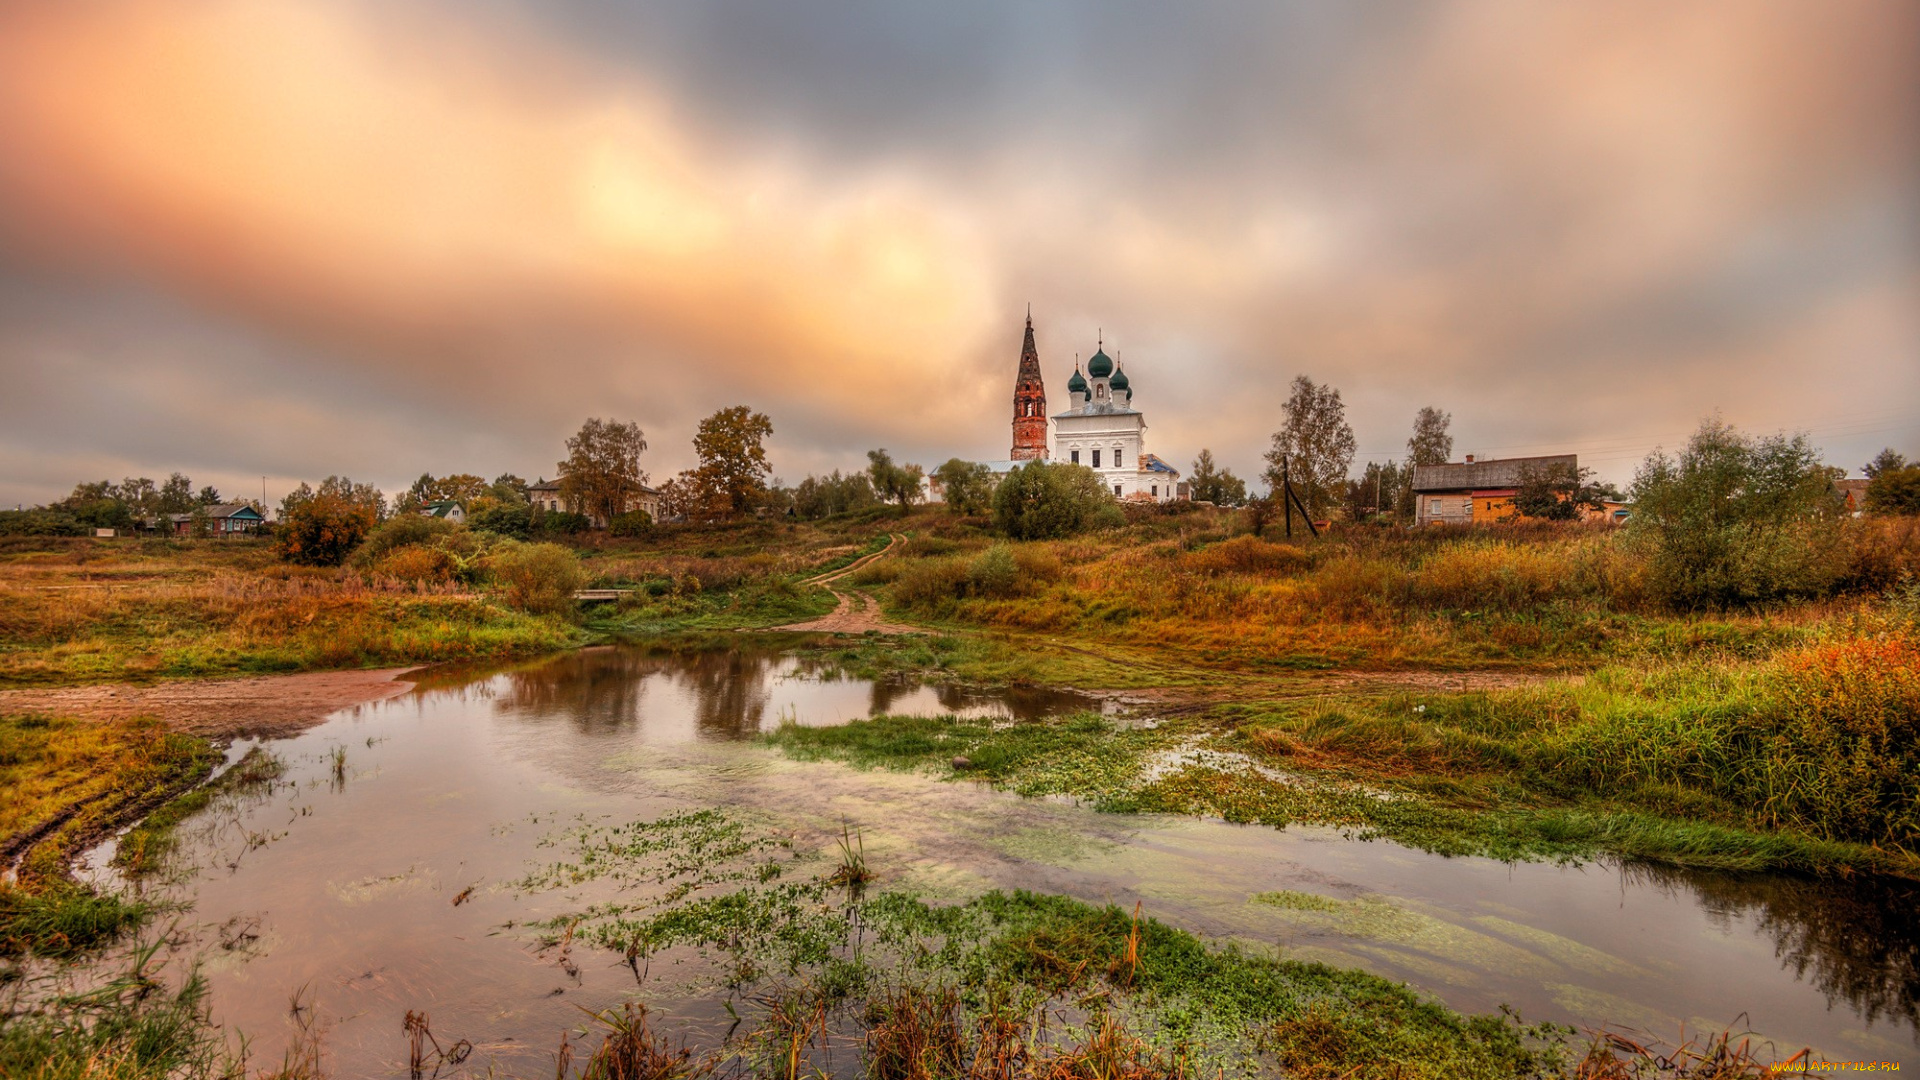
[[339, 885]]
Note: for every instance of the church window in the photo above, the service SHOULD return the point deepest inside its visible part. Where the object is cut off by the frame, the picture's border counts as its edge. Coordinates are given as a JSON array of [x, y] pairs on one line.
[[1116, 490], [1076, 457], [1096, 459], [1156, 491], [1119, 460]]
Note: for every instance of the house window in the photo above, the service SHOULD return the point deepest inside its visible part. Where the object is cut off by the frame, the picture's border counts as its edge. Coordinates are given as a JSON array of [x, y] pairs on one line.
[[1096, 459], [1433, 506], [1076, 457]]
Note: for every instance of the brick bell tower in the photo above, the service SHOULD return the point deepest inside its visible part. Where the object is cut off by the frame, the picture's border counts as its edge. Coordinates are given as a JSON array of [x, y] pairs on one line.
[[1029, 402]]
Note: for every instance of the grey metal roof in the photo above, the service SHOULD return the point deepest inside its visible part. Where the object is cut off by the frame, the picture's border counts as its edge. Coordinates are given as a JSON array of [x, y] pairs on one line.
[[1478, 475]]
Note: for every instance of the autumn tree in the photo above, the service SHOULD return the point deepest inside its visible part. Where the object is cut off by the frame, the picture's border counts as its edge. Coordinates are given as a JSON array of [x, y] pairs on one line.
[[894, 483], [1431, 443], [1558, 492], [1314, 447], [1209, 483], [176, 495], [733, 471], [967, 486], [323, 529], [339, 487], [601, 476]]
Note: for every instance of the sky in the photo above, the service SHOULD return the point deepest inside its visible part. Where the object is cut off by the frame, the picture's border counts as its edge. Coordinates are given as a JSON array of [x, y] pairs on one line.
[[266, 243]]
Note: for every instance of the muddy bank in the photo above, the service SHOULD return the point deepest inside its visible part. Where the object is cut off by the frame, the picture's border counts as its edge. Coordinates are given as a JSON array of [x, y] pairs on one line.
[[261, 706]]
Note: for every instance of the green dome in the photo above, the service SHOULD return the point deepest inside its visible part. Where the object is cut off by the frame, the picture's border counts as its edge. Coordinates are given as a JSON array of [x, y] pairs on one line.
[[1100, 366], [1077, 384], [1120, 380]]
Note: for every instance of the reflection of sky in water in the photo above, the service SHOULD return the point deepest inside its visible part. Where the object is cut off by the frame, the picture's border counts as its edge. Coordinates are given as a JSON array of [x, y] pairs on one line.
[[353, 896]]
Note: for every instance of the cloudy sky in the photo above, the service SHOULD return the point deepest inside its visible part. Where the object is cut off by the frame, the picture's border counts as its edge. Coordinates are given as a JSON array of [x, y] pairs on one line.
[[385, 237]]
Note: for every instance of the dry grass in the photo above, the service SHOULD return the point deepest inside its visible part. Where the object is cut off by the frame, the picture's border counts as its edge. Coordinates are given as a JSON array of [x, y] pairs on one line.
[[93, 612]]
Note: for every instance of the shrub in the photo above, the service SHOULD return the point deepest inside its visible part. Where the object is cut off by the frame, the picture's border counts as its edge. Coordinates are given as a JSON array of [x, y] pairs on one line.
[[993, 573], [419, 564], [1042, 500], [41, 522], [540, 578], [1895, 491], [502, 520], [323, 530], [561, 523], [403, 530], [632, 523], [931, 583], [1737, 520], [1847, 715]]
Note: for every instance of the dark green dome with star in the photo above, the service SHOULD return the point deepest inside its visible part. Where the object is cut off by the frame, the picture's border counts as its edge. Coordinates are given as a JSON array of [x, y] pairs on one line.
[[1101, 365]]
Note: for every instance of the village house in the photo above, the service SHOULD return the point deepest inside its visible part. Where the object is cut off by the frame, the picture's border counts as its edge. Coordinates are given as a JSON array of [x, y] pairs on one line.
[[1475, 492], [446, 509], [545, 495], [223, 519]]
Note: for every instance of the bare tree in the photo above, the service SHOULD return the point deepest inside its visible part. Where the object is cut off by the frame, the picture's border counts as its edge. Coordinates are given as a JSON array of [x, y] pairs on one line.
[[1314, 448]]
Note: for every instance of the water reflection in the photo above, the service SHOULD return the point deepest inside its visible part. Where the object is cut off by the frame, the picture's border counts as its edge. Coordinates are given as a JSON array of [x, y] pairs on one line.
[[1857, 941], [455, 787], [728, 694]]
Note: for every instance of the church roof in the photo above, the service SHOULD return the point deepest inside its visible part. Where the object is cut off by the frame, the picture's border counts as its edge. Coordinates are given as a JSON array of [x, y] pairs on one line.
[[1101, 365], [1098, 408]]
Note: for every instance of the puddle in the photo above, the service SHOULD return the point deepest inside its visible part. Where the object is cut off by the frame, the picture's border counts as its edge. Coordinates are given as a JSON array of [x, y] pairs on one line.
[[389, 812]]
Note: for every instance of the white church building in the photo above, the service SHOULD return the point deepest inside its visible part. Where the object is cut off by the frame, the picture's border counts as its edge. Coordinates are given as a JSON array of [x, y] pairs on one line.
[[1103, 431], [1100, 429]]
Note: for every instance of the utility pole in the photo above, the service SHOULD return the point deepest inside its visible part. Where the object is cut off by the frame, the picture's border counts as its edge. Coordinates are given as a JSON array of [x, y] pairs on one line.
[[1286, 494]]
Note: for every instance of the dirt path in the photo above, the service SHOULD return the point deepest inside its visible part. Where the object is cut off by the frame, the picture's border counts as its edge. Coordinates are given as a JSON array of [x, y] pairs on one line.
[[269, 705], [856, 613]]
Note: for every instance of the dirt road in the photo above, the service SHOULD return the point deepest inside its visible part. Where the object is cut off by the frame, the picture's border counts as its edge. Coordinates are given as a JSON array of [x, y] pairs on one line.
[[267, 705], [856, 613]]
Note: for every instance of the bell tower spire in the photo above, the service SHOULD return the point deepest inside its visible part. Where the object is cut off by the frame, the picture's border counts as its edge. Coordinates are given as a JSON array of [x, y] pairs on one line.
[[1029, 401]]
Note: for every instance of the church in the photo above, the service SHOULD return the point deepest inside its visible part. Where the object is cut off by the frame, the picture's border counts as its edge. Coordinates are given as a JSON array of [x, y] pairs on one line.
[[1100, 428]]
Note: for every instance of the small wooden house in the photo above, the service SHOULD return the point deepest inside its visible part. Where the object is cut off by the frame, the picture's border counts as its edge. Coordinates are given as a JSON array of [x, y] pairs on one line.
[[224, 519], [1475, 492]]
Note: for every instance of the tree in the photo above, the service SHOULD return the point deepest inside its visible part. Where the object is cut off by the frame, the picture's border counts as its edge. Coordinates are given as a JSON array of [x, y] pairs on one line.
[[1044, 499], [176, 495], [1558, 492], [967, 486], [1895, 490], [1379, 491], [209, 496], [1886, 460], [1736, 520], [1217, 486], [338, 487], [1431, 443], [733, 468], [601, 476], [323, 529], [894, 483], [1314, 447], [508, 490], [824, 496]]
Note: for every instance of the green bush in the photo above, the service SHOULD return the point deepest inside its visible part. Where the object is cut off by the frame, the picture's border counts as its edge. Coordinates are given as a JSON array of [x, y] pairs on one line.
[[1895, 491], [632, 523], [1044, 500], [539, 578], [561, 523], [41, 522], [994, 573], [404, 530], [323, 530], [501, 520], [1737, 520]]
